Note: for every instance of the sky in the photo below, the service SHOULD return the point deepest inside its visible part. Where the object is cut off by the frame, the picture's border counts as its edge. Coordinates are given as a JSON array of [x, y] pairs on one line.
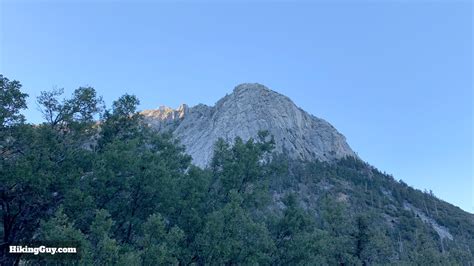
[[394, 77]]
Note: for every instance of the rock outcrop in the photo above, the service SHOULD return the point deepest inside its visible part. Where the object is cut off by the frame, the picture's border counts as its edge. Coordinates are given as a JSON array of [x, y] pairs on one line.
[[247, 110]]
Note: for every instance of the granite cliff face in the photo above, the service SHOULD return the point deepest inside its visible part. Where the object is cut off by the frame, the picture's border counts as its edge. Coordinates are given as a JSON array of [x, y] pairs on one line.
[[247, 110]]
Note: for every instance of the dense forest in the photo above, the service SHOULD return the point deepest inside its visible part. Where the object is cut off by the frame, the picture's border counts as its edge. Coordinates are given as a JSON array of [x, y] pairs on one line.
[[100, 179]]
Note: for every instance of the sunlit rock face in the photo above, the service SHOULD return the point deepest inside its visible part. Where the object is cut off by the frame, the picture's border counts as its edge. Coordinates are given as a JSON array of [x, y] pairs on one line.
[[249, 109], [165, 118]]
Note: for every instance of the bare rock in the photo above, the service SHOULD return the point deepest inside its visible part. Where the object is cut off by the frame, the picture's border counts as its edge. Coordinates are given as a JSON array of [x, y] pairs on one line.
[[248, 109]]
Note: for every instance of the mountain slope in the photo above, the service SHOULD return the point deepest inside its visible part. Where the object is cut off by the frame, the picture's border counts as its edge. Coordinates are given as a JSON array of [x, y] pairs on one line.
[[132, 196], [249, 109], [415, 222], [315, 164]]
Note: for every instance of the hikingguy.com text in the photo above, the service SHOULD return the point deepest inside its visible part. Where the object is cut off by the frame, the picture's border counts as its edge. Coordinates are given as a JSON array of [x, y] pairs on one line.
[[41, 250]]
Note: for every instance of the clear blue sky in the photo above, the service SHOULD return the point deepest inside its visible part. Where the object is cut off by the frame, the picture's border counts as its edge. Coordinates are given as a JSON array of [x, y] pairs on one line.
[[394, 78]]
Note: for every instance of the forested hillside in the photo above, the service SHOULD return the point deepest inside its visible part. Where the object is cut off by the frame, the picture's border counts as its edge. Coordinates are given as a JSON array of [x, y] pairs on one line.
[[100, 179]]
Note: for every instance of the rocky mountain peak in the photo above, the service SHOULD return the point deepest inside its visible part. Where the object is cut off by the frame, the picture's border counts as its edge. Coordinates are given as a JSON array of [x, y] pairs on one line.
[[165, 117], [255, 93], [246, 87], [251, 107]]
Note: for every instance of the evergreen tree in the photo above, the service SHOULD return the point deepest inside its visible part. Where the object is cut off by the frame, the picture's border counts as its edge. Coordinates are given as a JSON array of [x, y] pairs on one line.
[[161, 245], [104, 248], [230, 236], [59, 231], [297, 239]]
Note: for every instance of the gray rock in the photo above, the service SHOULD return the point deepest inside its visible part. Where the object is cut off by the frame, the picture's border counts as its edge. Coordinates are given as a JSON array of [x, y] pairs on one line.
[[247, 110], [442, 231]]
